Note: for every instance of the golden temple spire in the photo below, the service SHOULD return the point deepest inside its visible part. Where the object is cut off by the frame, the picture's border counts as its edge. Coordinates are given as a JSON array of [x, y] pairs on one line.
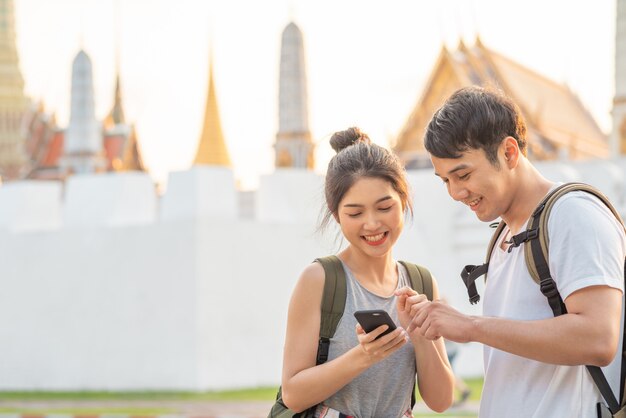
[[116, 115], [212, 147]]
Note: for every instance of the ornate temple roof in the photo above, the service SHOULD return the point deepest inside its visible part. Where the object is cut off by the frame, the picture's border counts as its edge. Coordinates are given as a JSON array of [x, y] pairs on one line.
[[558, 123]]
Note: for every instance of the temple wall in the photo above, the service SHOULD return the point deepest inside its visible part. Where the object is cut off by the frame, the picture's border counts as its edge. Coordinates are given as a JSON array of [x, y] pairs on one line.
[[107, 286]]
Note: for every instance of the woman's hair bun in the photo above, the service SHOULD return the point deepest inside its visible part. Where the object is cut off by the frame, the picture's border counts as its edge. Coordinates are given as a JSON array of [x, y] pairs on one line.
[[343, 139]]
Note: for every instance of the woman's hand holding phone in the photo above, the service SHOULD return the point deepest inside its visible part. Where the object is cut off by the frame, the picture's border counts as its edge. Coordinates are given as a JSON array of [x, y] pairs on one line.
[[381, 341]]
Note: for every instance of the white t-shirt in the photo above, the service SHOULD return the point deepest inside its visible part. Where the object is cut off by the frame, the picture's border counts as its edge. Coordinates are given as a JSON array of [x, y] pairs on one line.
[[587, 247]]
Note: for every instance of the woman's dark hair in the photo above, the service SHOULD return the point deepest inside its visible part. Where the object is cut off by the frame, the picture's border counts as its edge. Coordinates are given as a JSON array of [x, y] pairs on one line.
[[474, 118], [358, 157]]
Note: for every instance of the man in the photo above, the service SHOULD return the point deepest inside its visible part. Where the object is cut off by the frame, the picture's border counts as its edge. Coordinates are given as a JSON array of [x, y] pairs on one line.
[[534, 362]]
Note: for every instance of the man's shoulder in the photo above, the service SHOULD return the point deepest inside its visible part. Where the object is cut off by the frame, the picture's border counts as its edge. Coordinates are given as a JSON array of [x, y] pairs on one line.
[[579, 207]]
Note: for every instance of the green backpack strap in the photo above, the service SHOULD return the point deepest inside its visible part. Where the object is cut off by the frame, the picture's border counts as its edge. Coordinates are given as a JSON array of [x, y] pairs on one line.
[[537, 259], [333, 302], [422, 282], [421, 279]]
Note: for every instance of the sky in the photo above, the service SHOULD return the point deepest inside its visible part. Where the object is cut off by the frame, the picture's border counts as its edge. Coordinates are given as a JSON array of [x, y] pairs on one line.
[[367, 62]]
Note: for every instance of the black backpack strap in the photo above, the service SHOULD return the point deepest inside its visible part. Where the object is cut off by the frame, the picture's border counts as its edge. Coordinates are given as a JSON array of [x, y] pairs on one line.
[[469, 275], [622, 393], [333, 303], [471, 272], [536, 253]]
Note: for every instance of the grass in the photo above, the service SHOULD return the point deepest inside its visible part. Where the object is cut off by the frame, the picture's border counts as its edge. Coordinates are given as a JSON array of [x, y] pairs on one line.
[[136, 412], [253, 394], [475, 385]]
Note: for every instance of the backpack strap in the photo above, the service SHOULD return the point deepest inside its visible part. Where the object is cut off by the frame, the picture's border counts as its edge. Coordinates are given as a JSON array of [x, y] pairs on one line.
[[333, 303], [471, 272], [537, 261], [422, 282], [421, 279], [536, 251]]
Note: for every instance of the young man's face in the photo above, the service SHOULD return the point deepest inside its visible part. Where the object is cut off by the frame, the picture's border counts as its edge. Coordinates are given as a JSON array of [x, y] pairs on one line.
[[472, 179]]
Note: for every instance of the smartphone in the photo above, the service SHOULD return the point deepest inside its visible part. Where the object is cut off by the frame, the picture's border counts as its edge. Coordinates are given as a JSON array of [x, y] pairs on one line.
[[372, 319]]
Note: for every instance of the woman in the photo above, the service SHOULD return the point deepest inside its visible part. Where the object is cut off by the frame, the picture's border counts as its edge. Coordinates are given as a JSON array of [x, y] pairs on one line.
[[367, 195]]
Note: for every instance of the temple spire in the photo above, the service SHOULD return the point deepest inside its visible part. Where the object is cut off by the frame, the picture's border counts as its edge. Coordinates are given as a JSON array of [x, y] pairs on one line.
[[294, 147], [116, 115], [212, 147], [13, 102], [83, 138]]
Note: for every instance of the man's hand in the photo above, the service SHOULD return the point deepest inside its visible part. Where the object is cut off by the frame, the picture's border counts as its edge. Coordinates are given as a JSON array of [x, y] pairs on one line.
[[438, 319]]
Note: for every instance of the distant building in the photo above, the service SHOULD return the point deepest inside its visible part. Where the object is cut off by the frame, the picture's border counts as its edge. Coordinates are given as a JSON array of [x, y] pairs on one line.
[[82, 144], [87, 145], [13, 102], [558, 123], [121, 146], [212, 148], [44, 143], [32, 145], [294, 146]]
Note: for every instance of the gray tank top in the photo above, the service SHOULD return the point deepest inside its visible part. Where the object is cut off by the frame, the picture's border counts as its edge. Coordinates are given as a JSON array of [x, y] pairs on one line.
[[383, 390]]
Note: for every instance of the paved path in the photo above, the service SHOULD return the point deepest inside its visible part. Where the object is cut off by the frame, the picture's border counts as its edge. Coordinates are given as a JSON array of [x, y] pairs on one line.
[[176, 408]]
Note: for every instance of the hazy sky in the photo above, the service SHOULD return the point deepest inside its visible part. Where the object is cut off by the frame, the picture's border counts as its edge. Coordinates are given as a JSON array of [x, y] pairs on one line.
[[367, 62]]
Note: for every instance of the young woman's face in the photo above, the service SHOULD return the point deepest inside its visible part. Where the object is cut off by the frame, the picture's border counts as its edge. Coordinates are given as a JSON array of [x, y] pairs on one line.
[[371, 216]]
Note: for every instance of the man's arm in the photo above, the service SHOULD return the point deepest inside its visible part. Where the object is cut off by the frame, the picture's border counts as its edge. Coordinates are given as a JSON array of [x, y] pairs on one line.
[[587, 334]]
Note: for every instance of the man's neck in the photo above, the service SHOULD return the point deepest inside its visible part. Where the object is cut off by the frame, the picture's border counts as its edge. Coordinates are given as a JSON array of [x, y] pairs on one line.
[[529, 188]]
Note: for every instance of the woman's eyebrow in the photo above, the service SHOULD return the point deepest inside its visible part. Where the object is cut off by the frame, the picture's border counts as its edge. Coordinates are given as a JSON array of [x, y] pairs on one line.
[[358, 205]]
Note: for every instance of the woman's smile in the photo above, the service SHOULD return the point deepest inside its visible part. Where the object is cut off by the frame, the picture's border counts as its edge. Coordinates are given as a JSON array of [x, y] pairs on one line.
[[375, 240]]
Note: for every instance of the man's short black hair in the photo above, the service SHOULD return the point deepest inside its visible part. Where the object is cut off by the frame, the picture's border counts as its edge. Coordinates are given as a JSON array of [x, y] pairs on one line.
[[474, 118]]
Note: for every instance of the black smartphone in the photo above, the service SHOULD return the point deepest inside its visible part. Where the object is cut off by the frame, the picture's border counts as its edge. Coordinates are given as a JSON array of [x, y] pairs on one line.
[[372, 319]]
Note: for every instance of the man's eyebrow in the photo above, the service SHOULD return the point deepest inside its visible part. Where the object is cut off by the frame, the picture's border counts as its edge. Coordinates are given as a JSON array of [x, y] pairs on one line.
[[455, 169], [357, 205]]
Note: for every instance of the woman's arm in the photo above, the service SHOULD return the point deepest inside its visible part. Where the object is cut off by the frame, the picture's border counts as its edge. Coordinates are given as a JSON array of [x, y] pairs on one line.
[[435, 378], [303, 383]]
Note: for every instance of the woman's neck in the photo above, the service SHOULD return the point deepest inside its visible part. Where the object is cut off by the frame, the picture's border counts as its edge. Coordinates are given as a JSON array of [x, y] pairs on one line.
[[375, 270]]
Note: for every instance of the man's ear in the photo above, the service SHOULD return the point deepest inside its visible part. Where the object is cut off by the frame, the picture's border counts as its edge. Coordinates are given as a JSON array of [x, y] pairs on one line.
[[511, 151]]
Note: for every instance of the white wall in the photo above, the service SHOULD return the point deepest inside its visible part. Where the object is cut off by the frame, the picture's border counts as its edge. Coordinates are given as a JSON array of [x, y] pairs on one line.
[[30, 205], [192, 297]]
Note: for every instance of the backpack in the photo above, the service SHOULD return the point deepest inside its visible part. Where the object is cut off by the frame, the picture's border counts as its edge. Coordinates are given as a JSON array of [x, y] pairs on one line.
[[535, 240], [333, 304]]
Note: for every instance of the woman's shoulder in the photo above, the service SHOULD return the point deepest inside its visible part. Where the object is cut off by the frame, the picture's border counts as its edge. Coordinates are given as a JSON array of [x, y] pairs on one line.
[[312, 279], [306, 298], [313, 272]]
